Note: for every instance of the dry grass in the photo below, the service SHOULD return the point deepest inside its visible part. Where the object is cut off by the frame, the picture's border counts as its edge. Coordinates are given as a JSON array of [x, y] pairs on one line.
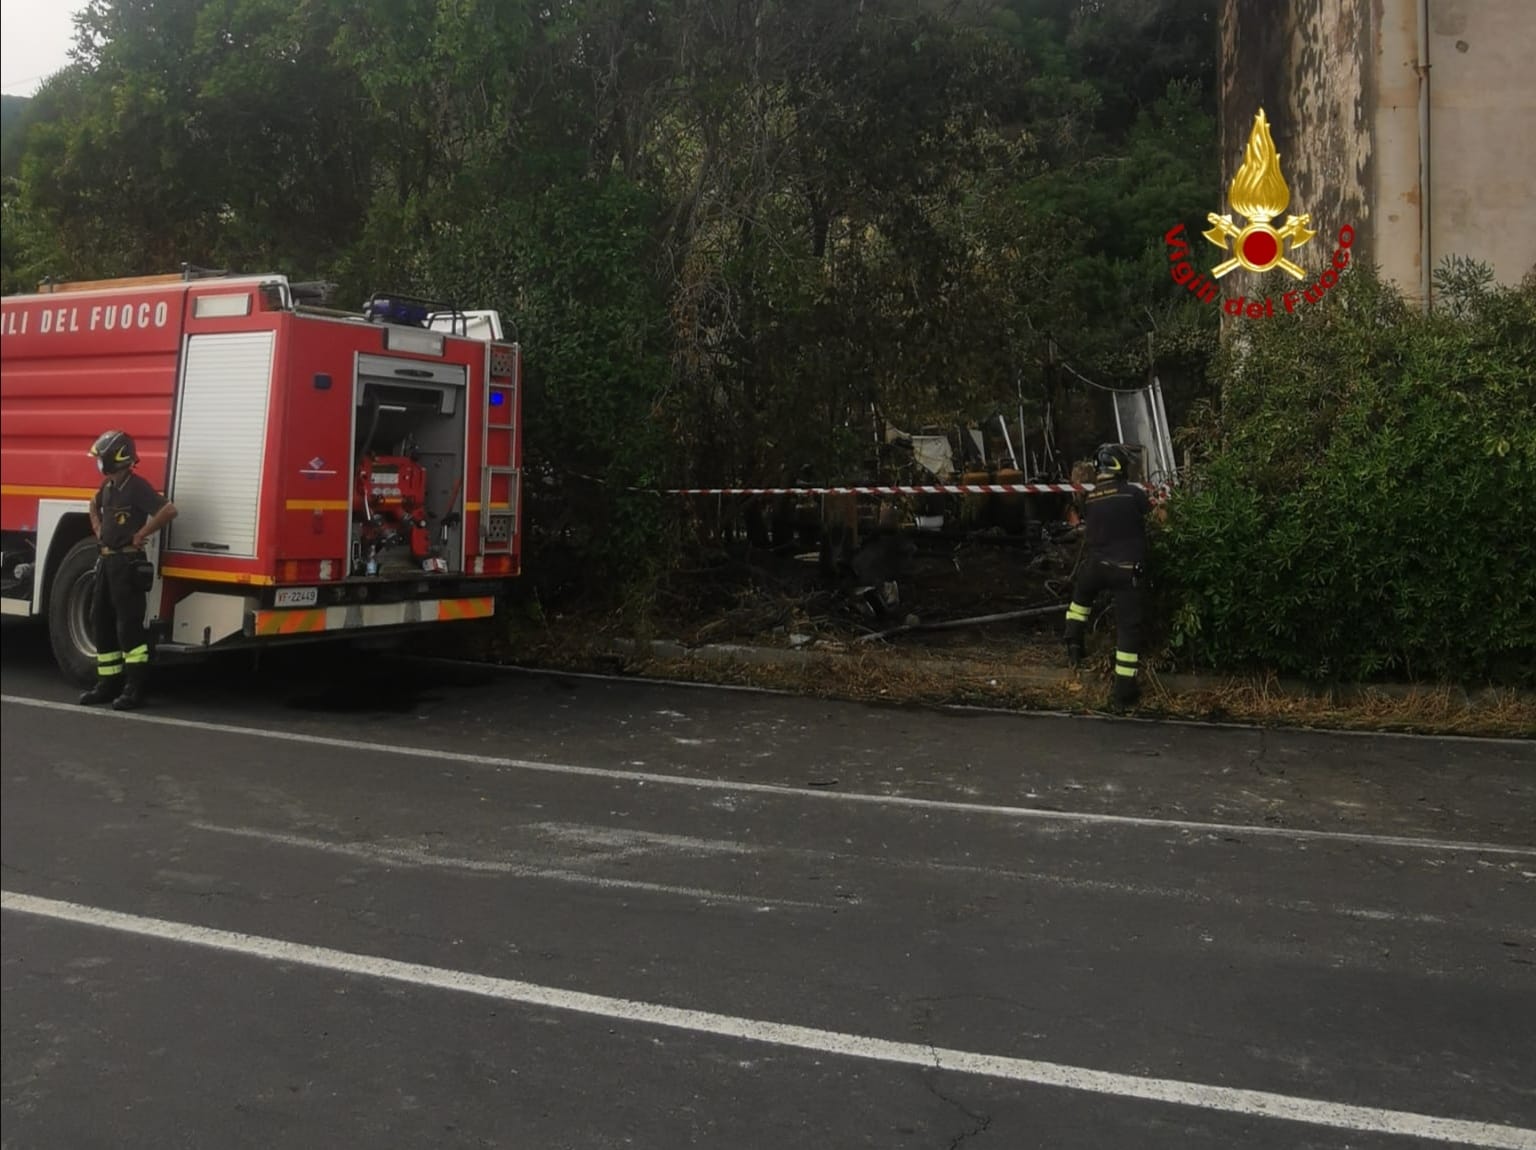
[[983, 679], [1424, 710]]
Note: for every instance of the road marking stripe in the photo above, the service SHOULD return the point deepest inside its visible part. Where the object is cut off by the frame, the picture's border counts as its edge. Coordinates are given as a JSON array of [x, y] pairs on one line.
[[1261, 1104], [780, 791]]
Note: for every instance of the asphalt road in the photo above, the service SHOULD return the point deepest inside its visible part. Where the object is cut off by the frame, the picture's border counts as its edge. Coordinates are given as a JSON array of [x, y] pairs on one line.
[[361, 901]]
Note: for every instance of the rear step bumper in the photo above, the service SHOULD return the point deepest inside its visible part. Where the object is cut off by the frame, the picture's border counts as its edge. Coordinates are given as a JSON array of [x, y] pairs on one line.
[[358, 616], [206, 620]]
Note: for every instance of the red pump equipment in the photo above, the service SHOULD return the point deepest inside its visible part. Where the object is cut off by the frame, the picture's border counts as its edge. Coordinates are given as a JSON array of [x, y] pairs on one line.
[[391, 493]]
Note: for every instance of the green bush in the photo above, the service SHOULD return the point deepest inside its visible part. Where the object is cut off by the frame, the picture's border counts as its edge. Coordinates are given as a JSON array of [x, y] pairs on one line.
[[1365, 507]]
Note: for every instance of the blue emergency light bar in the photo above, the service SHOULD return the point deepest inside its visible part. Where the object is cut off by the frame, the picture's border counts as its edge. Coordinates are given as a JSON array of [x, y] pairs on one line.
[[397, 311]]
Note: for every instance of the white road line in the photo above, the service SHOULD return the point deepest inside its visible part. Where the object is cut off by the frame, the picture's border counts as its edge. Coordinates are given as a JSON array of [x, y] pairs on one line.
[[1255, 1103], [409, 856], [1090, 818]]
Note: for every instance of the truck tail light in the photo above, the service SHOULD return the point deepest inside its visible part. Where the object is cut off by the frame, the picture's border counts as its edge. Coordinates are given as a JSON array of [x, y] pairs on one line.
[[305, 571], [490, 565]]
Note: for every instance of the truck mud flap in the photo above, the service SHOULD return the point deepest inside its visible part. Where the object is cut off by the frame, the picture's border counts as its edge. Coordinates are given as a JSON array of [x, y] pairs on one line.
[[360, 616]]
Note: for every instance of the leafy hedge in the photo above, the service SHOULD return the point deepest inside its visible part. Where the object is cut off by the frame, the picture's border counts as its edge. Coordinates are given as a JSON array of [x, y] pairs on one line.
[[1366, 503]]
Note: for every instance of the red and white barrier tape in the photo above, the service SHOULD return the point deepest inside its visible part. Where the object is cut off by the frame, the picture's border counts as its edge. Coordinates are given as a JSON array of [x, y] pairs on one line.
[[925, 489]]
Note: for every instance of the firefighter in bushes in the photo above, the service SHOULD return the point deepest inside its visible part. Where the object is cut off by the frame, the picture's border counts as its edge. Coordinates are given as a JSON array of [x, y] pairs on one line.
[[125, 512], [1115, 511]]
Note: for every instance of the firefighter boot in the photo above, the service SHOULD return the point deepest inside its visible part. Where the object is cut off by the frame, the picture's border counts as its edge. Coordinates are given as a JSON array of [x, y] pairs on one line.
[[132, 697], [1074, 641], [1125, 694], [1077, 623], [105, 690]]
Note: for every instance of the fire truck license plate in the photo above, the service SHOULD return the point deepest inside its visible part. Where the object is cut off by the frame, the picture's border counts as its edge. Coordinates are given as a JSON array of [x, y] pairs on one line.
[[296, 597]]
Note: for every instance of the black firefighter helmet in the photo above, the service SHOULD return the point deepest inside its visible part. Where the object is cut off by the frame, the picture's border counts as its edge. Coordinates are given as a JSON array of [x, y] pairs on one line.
[[1112, 460], [114, 451]]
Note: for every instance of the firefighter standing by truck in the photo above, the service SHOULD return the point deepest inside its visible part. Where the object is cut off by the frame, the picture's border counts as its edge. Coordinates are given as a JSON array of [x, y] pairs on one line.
[[1116, 511], [125, 512]]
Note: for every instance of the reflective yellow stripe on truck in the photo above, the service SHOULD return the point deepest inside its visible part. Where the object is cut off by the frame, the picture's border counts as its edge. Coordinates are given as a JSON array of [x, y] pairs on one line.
[[450, 610], [298, 622], [48, 492]]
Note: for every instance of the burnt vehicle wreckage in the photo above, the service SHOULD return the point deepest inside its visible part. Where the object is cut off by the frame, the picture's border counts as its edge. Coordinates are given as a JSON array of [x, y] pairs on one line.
[[975, 524]]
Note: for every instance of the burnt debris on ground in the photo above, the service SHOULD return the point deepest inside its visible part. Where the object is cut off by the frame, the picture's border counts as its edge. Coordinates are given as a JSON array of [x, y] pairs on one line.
[[918, 589]]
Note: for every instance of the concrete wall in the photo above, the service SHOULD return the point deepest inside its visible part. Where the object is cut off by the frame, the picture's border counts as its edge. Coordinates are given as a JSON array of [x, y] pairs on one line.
[[1339, 81], [1482, 83], [1393, 101]]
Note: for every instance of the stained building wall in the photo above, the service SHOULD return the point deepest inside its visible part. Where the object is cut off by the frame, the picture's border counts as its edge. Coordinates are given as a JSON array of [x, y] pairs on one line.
[[1305, 63], [1339, 83]]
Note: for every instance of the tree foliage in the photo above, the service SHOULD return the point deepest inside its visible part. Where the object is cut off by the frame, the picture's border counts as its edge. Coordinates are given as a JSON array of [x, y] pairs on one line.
[[15, 121], [216, 133]]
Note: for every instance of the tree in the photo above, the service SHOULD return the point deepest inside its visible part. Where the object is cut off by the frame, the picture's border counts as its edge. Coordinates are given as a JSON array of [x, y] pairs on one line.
[[211, 133]]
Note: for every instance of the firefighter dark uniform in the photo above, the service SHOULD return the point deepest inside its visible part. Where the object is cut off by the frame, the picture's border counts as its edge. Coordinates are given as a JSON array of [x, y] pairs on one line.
[[1115, 511], [125, 505]]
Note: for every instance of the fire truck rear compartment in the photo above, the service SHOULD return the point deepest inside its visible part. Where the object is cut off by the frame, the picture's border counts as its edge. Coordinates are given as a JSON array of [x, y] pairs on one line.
[[409, 485]]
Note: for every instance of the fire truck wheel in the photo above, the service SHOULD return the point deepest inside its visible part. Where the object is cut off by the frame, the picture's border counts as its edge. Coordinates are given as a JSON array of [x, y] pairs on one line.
[[69, 613]]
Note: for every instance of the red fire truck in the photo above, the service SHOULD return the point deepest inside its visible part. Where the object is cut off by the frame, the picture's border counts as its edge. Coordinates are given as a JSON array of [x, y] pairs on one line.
[[336, 474]]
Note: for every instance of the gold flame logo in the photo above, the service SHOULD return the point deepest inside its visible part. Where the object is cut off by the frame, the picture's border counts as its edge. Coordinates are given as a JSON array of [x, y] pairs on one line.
[[1259, 193]]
